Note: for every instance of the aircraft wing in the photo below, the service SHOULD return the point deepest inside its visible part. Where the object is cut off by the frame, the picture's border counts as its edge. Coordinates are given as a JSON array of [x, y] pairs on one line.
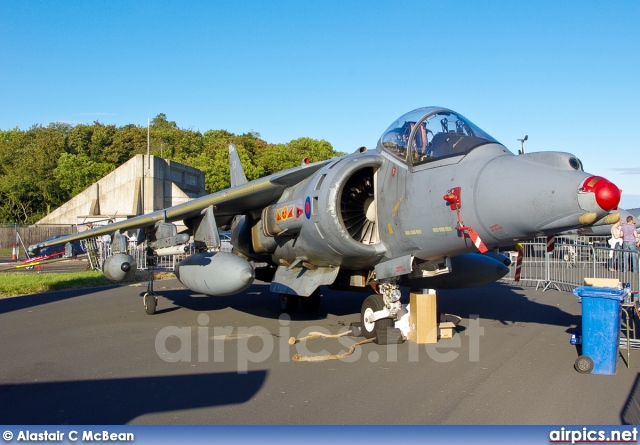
[[226, 204]]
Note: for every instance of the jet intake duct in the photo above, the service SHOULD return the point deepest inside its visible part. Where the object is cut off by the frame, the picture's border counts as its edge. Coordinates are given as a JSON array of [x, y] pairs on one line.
[[329, 220], [119, 267], [358, 207], [215, 273]]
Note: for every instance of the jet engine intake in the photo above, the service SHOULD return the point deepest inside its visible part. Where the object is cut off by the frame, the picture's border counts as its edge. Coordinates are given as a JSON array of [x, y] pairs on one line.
[[330, 220]]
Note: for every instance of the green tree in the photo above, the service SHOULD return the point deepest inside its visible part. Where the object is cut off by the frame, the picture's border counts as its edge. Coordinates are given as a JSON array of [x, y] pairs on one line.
[[274, 158], [160, 121], [43, 167], [188, 144], [101, 138], [76, 172], [79, 139], [126, 142]]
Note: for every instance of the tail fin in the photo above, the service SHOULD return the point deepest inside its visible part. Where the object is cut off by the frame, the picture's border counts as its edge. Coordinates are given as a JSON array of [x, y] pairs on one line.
[[235, 167]]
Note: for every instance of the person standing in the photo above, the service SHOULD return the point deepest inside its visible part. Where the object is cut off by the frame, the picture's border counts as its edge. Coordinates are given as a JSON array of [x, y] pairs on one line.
[[616, 243], [629, 245]]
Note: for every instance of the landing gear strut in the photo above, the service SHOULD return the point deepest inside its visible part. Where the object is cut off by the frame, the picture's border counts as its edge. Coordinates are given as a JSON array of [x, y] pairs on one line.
[[150, 299], [379, 311]]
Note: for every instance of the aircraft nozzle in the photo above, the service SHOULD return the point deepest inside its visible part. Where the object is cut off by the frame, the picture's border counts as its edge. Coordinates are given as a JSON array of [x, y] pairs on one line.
[[606, 192]]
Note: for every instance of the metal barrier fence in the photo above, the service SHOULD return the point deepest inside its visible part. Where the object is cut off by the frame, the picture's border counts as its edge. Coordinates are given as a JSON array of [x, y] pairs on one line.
[[98, 252], [571, 261], [564, 268]]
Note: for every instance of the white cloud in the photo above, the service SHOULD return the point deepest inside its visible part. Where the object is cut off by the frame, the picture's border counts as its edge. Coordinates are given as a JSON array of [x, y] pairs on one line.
[[628, 170]]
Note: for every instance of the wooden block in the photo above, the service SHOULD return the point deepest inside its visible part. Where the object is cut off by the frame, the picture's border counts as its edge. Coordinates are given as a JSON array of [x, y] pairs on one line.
[[423, 318], [601, 282]]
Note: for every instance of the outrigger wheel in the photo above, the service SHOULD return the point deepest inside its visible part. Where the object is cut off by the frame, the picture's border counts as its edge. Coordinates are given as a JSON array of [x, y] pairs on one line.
[[150, 303], [372, 304], [150, 299]]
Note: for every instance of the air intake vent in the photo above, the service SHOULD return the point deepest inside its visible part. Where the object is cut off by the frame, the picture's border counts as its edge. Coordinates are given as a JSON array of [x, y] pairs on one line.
[[358, 207]]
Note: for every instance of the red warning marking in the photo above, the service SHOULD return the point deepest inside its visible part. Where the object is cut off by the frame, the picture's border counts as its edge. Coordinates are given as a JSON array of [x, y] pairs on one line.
[[551, 243], [518, 266]]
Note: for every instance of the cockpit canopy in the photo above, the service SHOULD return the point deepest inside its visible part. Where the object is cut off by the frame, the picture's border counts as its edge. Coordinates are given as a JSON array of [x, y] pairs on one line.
[[432, 133]]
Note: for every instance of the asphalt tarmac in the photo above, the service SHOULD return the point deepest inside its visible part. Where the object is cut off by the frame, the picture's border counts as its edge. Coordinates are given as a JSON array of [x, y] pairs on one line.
[[93, 356]]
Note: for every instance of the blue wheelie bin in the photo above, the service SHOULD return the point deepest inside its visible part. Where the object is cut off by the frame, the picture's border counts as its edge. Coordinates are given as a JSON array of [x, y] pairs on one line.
[[601, 311]]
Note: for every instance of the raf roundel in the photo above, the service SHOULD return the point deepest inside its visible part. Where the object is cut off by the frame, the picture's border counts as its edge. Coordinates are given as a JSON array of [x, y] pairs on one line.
[[307, 207]]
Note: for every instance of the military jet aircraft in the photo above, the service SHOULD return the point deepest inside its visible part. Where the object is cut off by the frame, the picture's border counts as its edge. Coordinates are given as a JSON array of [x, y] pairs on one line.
[[417, 211]]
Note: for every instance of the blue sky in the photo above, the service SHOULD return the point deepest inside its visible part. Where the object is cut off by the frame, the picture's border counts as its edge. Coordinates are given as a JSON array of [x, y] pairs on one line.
[[565, 73]]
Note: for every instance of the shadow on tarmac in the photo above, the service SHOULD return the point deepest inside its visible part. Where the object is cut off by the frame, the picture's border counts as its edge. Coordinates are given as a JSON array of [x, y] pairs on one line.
[[11, 304], [630, 414], [496, 301], [118, 401]]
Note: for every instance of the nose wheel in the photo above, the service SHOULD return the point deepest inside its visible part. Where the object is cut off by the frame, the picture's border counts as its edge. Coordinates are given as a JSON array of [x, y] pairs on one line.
[[372, 304]]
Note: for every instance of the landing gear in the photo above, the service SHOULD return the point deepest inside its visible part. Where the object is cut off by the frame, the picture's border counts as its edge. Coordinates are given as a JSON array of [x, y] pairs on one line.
[[379, 311], [371, 305], [150, 303], [150, 299]]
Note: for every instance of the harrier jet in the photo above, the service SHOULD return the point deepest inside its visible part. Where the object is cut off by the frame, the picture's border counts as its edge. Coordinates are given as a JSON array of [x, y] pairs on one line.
[[419, 211]]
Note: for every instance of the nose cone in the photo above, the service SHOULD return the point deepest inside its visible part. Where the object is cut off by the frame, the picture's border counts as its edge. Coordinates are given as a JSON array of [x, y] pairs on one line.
[[606, 193], [541, 194]]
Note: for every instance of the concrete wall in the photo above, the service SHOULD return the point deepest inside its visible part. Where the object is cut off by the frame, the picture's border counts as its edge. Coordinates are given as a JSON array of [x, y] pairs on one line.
[[141, 185]]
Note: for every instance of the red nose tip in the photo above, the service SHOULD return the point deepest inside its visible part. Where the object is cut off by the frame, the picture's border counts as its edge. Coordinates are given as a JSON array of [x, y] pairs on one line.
[[607, 194]]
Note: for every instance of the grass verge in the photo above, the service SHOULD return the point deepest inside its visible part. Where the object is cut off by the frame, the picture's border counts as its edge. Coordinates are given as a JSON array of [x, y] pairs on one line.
[[16, 283]]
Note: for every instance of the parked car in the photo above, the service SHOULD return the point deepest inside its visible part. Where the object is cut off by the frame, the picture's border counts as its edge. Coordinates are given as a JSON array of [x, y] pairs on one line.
[[225, 242], [47, 251]]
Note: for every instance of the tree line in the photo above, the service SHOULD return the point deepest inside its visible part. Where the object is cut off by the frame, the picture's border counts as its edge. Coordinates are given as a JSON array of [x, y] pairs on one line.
[[43, 167]]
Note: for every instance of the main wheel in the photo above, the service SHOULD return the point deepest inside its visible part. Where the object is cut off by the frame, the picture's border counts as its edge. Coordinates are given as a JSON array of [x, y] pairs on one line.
[[372, 304], [289, 303], [150, 303], [583, 364]]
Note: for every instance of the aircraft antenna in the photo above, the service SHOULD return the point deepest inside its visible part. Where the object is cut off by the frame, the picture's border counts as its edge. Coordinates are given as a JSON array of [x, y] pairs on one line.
[[521, 152]]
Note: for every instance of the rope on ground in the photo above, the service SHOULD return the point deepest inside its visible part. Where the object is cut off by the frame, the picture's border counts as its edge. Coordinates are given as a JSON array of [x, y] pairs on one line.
[[312, 335], [319, 358]]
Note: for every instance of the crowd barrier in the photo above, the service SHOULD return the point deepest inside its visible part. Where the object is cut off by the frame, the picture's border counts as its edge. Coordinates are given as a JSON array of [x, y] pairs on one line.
[[98, 252], [563, 263]]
